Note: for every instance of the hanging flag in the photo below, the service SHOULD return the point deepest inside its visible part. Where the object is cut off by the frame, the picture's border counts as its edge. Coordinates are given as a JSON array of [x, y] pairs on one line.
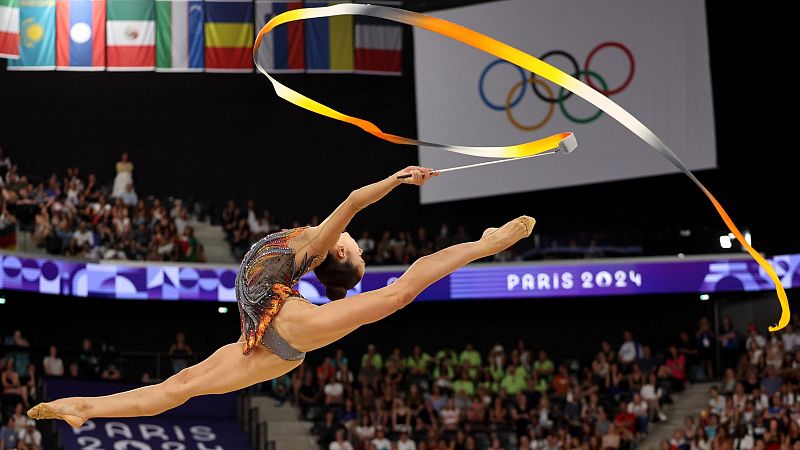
[[229, 36], [379, 44], [9, 29], [179, 35], [130, 28], [37, 36], [283, 50], [329, 41], [81, 34]]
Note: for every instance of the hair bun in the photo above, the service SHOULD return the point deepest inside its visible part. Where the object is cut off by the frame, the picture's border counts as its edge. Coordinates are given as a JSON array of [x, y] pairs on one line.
[[335, 292]]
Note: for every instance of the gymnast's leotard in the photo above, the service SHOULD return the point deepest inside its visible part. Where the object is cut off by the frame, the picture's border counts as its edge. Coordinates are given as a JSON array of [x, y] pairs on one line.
[[265, 280]]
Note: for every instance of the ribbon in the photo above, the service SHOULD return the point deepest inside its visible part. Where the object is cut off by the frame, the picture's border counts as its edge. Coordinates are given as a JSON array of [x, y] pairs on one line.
[[521, 59]]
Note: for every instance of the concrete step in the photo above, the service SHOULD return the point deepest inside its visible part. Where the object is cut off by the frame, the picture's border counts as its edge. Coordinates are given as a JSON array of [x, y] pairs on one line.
[[288, 428], [212, 237], [296, 443], [687, 403]]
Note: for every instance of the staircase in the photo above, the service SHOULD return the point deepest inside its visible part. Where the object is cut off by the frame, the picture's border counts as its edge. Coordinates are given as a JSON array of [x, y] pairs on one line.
[[213, 239], [283, 426], [687, 403]]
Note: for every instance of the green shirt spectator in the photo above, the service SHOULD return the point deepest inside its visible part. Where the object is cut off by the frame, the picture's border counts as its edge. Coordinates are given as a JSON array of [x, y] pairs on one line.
[[470, 355], [377, 359], [496, 372], [543, 366], [466, 385], [512, 383], [447, 354]]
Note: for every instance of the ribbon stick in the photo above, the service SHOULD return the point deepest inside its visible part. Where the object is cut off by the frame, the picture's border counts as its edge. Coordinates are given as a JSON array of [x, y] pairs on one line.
[[521, 59]]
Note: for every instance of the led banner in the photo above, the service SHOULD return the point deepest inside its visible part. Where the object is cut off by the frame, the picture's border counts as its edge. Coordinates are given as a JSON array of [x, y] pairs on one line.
[[582, 278]]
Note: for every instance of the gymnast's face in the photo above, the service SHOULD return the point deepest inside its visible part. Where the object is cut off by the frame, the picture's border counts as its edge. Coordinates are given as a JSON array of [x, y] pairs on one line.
[[349, 250]]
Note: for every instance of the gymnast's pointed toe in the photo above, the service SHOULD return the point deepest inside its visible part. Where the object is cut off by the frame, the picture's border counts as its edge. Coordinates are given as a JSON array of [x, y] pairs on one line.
[[42, 411]]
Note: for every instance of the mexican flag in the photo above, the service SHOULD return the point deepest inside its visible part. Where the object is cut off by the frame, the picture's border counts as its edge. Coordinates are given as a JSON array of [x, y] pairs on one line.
[[130, 35], [9, 29]]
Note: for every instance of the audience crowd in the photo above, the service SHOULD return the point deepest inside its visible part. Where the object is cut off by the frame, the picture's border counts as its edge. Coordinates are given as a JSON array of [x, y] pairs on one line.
[[756, 405], [80, 216], [506, 398]]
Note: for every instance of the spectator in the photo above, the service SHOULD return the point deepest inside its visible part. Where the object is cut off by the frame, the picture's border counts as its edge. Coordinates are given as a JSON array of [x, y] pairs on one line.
[[30, 438], [282, 389], [129, 197], [380, 442], [12, 384], [405, 443], [340, 443], [111, 372], [629, 351], [74, 370], [367, 245], [88, 359], [705, 345], [53, 365], [9, 436], [180, 353], [124, 176]]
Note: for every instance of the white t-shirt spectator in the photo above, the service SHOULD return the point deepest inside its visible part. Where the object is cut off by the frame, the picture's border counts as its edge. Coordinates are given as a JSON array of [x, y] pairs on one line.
[[82, 237], [638, 409], [53, 366], [450, 417], [629, 352], [382, 444], [334, 389], [31, 439], [760, 341], [345, 445], [406, 444], [717, 405], [365, 432], [649, 392], [789, 341]]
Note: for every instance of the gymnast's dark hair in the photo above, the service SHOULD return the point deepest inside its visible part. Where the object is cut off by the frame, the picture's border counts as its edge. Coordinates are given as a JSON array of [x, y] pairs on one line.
[[337, 276]]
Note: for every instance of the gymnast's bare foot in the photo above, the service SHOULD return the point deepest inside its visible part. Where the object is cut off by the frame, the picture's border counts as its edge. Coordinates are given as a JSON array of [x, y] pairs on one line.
[[59, 409], [499, 239]]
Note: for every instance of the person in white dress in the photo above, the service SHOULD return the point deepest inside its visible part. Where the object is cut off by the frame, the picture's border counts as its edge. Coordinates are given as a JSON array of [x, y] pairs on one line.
[[124, 176]]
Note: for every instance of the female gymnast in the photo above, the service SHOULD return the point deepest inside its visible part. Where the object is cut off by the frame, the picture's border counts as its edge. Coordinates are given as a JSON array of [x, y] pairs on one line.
[[278, 325]]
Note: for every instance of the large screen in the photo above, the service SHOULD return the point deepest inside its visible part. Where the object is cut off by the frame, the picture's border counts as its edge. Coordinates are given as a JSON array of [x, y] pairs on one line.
[[649, 57]]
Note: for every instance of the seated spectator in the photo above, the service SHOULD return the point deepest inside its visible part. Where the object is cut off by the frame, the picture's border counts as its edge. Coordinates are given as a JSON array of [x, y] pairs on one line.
[[30, 438], [129, 197], [12, 384], [9, 435], [340, 443], [380, 442], [281, 389], [629, 352], [111, 372], [88, 359]]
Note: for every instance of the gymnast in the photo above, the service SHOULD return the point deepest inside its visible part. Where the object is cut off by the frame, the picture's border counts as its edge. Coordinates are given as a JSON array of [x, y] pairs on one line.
[[278, 325]]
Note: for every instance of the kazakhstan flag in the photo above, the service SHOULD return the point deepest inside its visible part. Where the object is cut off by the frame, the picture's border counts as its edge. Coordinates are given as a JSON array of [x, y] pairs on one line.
[[37, 36]]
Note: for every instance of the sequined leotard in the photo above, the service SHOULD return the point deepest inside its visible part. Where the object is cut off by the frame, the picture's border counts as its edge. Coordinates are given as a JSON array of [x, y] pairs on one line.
[[265, 280]]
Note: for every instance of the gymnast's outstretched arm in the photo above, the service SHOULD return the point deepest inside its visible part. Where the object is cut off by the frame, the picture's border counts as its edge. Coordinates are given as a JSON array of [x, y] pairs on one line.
[[325, 235]]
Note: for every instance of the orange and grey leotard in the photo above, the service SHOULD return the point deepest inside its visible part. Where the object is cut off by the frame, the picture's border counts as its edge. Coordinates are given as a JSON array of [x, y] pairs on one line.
[[265, 280]]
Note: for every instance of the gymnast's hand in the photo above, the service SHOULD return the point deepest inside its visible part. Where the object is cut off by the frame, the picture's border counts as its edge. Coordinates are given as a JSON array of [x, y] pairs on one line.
[[415, 175]]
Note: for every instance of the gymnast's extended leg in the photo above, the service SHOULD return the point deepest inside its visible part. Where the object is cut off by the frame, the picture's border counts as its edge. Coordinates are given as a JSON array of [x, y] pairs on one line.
[[320, 326], [224, 371]]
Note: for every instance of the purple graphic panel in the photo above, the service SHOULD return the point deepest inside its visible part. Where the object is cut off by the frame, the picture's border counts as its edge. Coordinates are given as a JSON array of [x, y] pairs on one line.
[[525, 280], [154, 433]]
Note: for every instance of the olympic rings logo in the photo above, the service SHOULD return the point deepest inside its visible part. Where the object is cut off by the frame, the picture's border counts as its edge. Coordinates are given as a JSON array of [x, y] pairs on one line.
[[545, 93]]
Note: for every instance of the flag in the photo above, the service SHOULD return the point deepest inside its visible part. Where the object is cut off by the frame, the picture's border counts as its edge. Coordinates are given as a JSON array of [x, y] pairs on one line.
[[379, 44], [329, 41], [131, 35], [229, 36], [179, 35], [283, 49], [9, 29], [81, 34], [37, 37]]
